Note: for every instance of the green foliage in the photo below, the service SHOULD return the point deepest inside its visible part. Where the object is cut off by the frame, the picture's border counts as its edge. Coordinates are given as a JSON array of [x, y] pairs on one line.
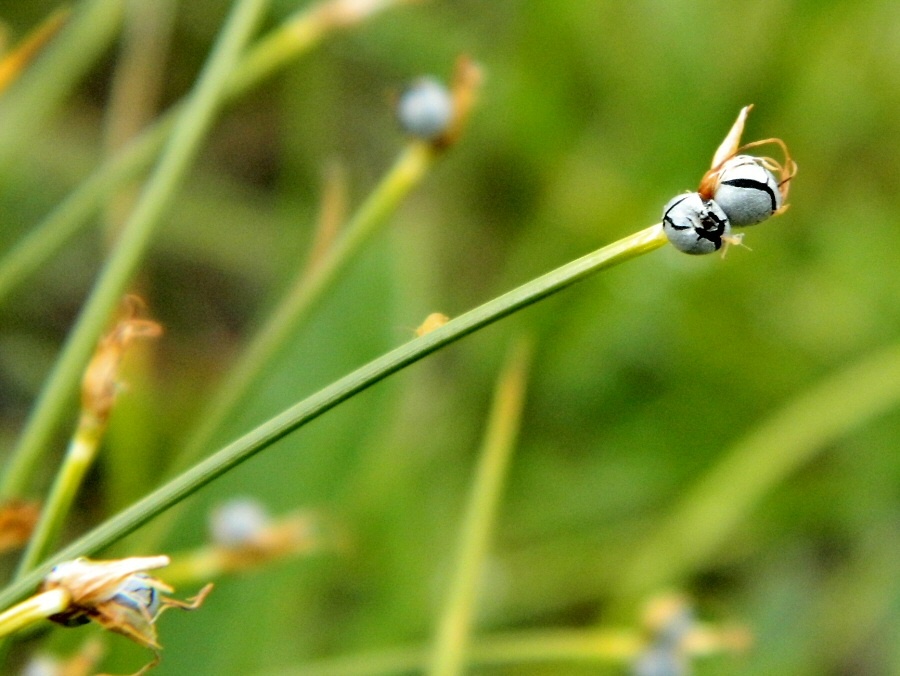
[[646, 383]]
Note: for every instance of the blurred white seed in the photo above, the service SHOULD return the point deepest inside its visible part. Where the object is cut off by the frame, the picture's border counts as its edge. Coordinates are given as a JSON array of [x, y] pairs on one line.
[[42, 665], [425, 109], [237, 522]]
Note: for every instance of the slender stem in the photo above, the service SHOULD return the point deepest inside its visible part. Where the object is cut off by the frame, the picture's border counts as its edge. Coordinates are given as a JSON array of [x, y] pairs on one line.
[[609, 646], [312, 407], [49, 236], [308, 290], [77, 461], [732, 489], [295, 308], [449, 655], [293, 38], [38, 607], [135, 89], [189, 131]]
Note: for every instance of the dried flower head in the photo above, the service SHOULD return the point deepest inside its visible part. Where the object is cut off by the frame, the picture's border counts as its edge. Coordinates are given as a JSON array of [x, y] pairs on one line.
[[100, 384], [17, 521], [118, 595], [244, 535], [731, 148], [467, 80]]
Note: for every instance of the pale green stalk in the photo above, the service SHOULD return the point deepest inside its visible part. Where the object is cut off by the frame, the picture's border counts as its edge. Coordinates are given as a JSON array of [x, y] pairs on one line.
[[727, 495], [135, 89], [307, 291], [327, 398], [49, 236], [295, 308], [293, 38], [189, 131], [448, 657], [43, 86], [562, 646], [38, 607], [77, 461]]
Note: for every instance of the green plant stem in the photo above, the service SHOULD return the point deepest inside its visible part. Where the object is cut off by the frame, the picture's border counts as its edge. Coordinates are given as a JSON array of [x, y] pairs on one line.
[[324, 400], [564, 646], [451, 643], [38, 607], [181, 149], [294, 37], [42, 87], [732, 489], [295, 308], [78, 460], [308, 290]]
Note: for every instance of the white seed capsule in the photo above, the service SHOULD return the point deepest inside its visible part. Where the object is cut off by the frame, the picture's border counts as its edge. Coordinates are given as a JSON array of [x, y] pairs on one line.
[[425, 109], [237, 522], [694, 225], [747, 192]]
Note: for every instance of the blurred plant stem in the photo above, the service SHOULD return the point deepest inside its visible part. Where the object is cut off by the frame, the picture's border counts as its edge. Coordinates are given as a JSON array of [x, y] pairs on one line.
[[90, 29], [100, 388], [77, 461], [329, 256], [135, 90], [299, 33], [701, 521], [451, 642], [309, 287], [188, 133], [327, 398], [15, 61], [597, 646]]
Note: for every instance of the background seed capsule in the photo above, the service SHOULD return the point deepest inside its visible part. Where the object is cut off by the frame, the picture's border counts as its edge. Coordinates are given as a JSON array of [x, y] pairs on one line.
[[425, 109], [694, 225], [747, 192], [237, 522]]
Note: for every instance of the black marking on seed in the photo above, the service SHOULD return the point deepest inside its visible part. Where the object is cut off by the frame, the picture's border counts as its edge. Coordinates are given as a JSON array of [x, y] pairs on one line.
[[668, 220], [713, 229], [755, 185]]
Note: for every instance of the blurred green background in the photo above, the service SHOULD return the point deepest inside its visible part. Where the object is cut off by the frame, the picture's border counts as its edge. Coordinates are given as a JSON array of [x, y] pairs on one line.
[[593, 115]]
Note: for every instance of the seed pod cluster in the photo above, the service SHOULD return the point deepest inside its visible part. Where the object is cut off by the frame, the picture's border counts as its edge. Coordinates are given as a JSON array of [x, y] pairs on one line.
[[739, 190]]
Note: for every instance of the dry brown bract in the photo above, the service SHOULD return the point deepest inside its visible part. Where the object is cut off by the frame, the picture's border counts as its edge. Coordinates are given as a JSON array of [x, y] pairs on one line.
[[119, 596]]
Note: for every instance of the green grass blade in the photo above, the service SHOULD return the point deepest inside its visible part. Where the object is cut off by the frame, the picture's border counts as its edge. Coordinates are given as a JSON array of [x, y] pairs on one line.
[[303, 412], [295, 308], [537, 646], [189, 131], [451, 643], [298, 34], [730, 491], [33, 99], [302, 298]]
